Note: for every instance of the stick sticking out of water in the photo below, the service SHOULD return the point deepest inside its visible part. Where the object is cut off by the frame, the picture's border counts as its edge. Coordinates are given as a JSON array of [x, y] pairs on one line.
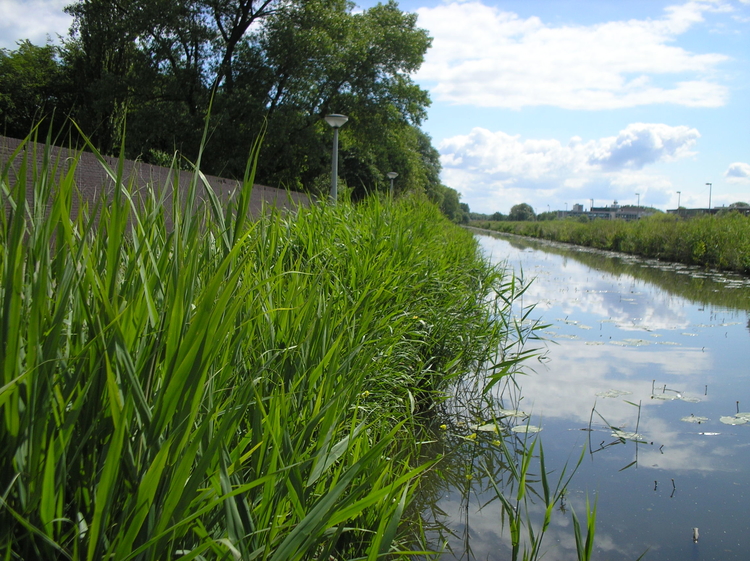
[[695, 535]]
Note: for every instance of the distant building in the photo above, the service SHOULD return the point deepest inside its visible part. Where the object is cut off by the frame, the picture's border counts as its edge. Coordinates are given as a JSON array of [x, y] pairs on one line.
[[617, 212]]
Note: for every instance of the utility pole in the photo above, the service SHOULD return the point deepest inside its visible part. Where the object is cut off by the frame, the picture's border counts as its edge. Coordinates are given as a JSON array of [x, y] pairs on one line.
[[709, 195]]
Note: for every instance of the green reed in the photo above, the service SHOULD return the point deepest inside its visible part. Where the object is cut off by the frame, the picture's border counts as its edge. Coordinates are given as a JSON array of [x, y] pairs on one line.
[[716, 241], [202, 386]]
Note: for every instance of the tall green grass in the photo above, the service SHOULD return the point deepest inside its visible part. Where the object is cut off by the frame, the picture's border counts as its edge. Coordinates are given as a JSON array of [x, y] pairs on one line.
[[715, 241], [222, 388]]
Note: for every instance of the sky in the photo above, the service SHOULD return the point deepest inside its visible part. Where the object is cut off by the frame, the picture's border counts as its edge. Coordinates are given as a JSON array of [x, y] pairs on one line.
[[562, 102]]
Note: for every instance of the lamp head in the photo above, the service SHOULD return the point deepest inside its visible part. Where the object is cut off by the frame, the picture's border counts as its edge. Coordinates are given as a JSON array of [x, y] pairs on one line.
[[336, 120], [391, 175]]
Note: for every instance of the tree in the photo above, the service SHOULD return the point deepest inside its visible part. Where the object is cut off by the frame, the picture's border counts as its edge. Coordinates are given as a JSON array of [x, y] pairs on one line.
[[275, 65], [521, 212], [33, 86], [549, 215]]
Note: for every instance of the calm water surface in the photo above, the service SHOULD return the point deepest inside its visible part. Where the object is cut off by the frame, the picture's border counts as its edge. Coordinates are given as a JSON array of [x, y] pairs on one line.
[[673, 343]]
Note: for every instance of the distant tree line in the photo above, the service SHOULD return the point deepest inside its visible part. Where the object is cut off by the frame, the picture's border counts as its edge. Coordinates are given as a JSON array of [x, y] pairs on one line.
[[523, 212], [147, 72]]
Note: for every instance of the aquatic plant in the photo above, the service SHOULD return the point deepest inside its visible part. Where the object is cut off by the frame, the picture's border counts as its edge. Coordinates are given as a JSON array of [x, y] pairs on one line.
[[214, 387]]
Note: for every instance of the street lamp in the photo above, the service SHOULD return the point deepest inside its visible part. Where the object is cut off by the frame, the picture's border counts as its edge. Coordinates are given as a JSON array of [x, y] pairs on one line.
[[336, 121], [639, 199], [391, 175], [678, 201], [709, 195]]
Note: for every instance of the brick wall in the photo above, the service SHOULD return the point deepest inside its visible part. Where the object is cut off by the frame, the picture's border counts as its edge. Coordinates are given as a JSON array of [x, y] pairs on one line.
[[92, 180]]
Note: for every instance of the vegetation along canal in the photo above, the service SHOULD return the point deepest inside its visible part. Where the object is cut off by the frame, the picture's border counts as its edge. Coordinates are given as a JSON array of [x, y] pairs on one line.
[[645, 366]]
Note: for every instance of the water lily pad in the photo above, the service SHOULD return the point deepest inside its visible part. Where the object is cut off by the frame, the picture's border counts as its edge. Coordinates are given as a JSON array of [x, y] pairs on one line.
[[689, 398], [626, 435], [694, 419], [734, 420], [664, 397], [488, 427], [526, 429], [613, 393], [636, 342], [511, 413], [743, 416], [594, 342]]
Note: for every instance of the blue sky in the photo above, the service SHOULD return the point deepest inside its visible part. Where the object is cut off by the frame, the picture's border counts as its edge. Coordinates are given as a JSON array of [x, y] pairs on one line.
[[557, 102]]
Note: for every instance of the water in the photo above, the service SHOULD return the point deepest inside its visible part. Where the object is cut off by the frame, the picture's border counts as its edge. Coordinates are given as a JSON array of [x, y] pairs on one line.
[[675, 343]]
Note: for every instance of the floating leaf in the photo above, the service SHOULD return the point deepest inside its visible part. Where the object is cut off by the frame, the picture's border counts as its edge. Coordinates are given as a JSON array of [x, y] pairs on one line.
[[734, 420], [526, 429], [743, 416], [694, 419], [664, 397], [689, 399], [489, 427], [626, 435], [613, 393], [636, 342], [511, 413]]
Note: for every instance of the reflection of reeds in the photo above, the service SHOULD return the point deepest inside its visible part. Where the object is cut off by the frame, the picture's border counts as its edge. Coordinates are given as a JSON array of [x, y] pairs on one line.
[[509, 467], [691, 284], [717, 241], [221, 388]]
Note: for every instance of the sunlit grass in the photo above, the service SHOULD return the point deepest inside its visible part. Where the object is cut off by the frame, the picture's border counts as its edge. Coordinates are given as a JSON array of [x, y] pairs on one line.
[[223, 388]]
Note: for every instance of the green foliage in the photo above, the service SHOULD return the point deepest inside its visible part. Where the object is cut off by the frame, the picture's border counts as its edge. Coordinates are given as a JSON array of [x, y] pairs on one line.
[[222, 388], [712, 241], [521, 212], [159, 65], [32, 86]]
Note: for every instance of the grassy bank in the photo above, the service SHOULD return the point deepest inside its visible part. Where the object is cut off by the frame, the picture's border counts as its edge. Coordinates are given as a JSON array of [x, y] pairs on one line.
[[720, 242], [225, 389]]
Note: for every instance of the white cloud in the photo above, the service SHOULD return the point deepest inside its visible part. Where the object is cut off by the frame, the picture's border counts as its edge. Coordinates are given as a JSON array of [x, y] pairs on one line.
[[738, 172], [500, 164], [495, 170], [513, 62], [34, 20], [641, 144]]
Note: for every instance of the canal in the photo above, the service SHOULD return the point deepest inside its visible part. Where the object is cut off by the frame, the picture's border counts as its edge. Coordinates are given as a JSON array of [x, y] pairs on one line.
[[641, 372]]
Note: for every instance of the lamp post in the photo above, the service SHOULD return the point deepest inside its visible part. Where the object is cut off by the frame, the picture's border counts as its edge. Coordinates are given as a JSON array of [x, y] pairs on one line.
[[678, 201], [336, 121], [639, 199], [391, 175], [709, 195]]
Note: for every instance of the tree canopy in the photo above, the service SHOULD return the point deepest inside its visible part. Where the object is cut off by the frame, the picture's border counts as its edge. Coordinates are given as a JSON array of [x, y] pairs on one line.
[[154, 69], [521, 212]]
